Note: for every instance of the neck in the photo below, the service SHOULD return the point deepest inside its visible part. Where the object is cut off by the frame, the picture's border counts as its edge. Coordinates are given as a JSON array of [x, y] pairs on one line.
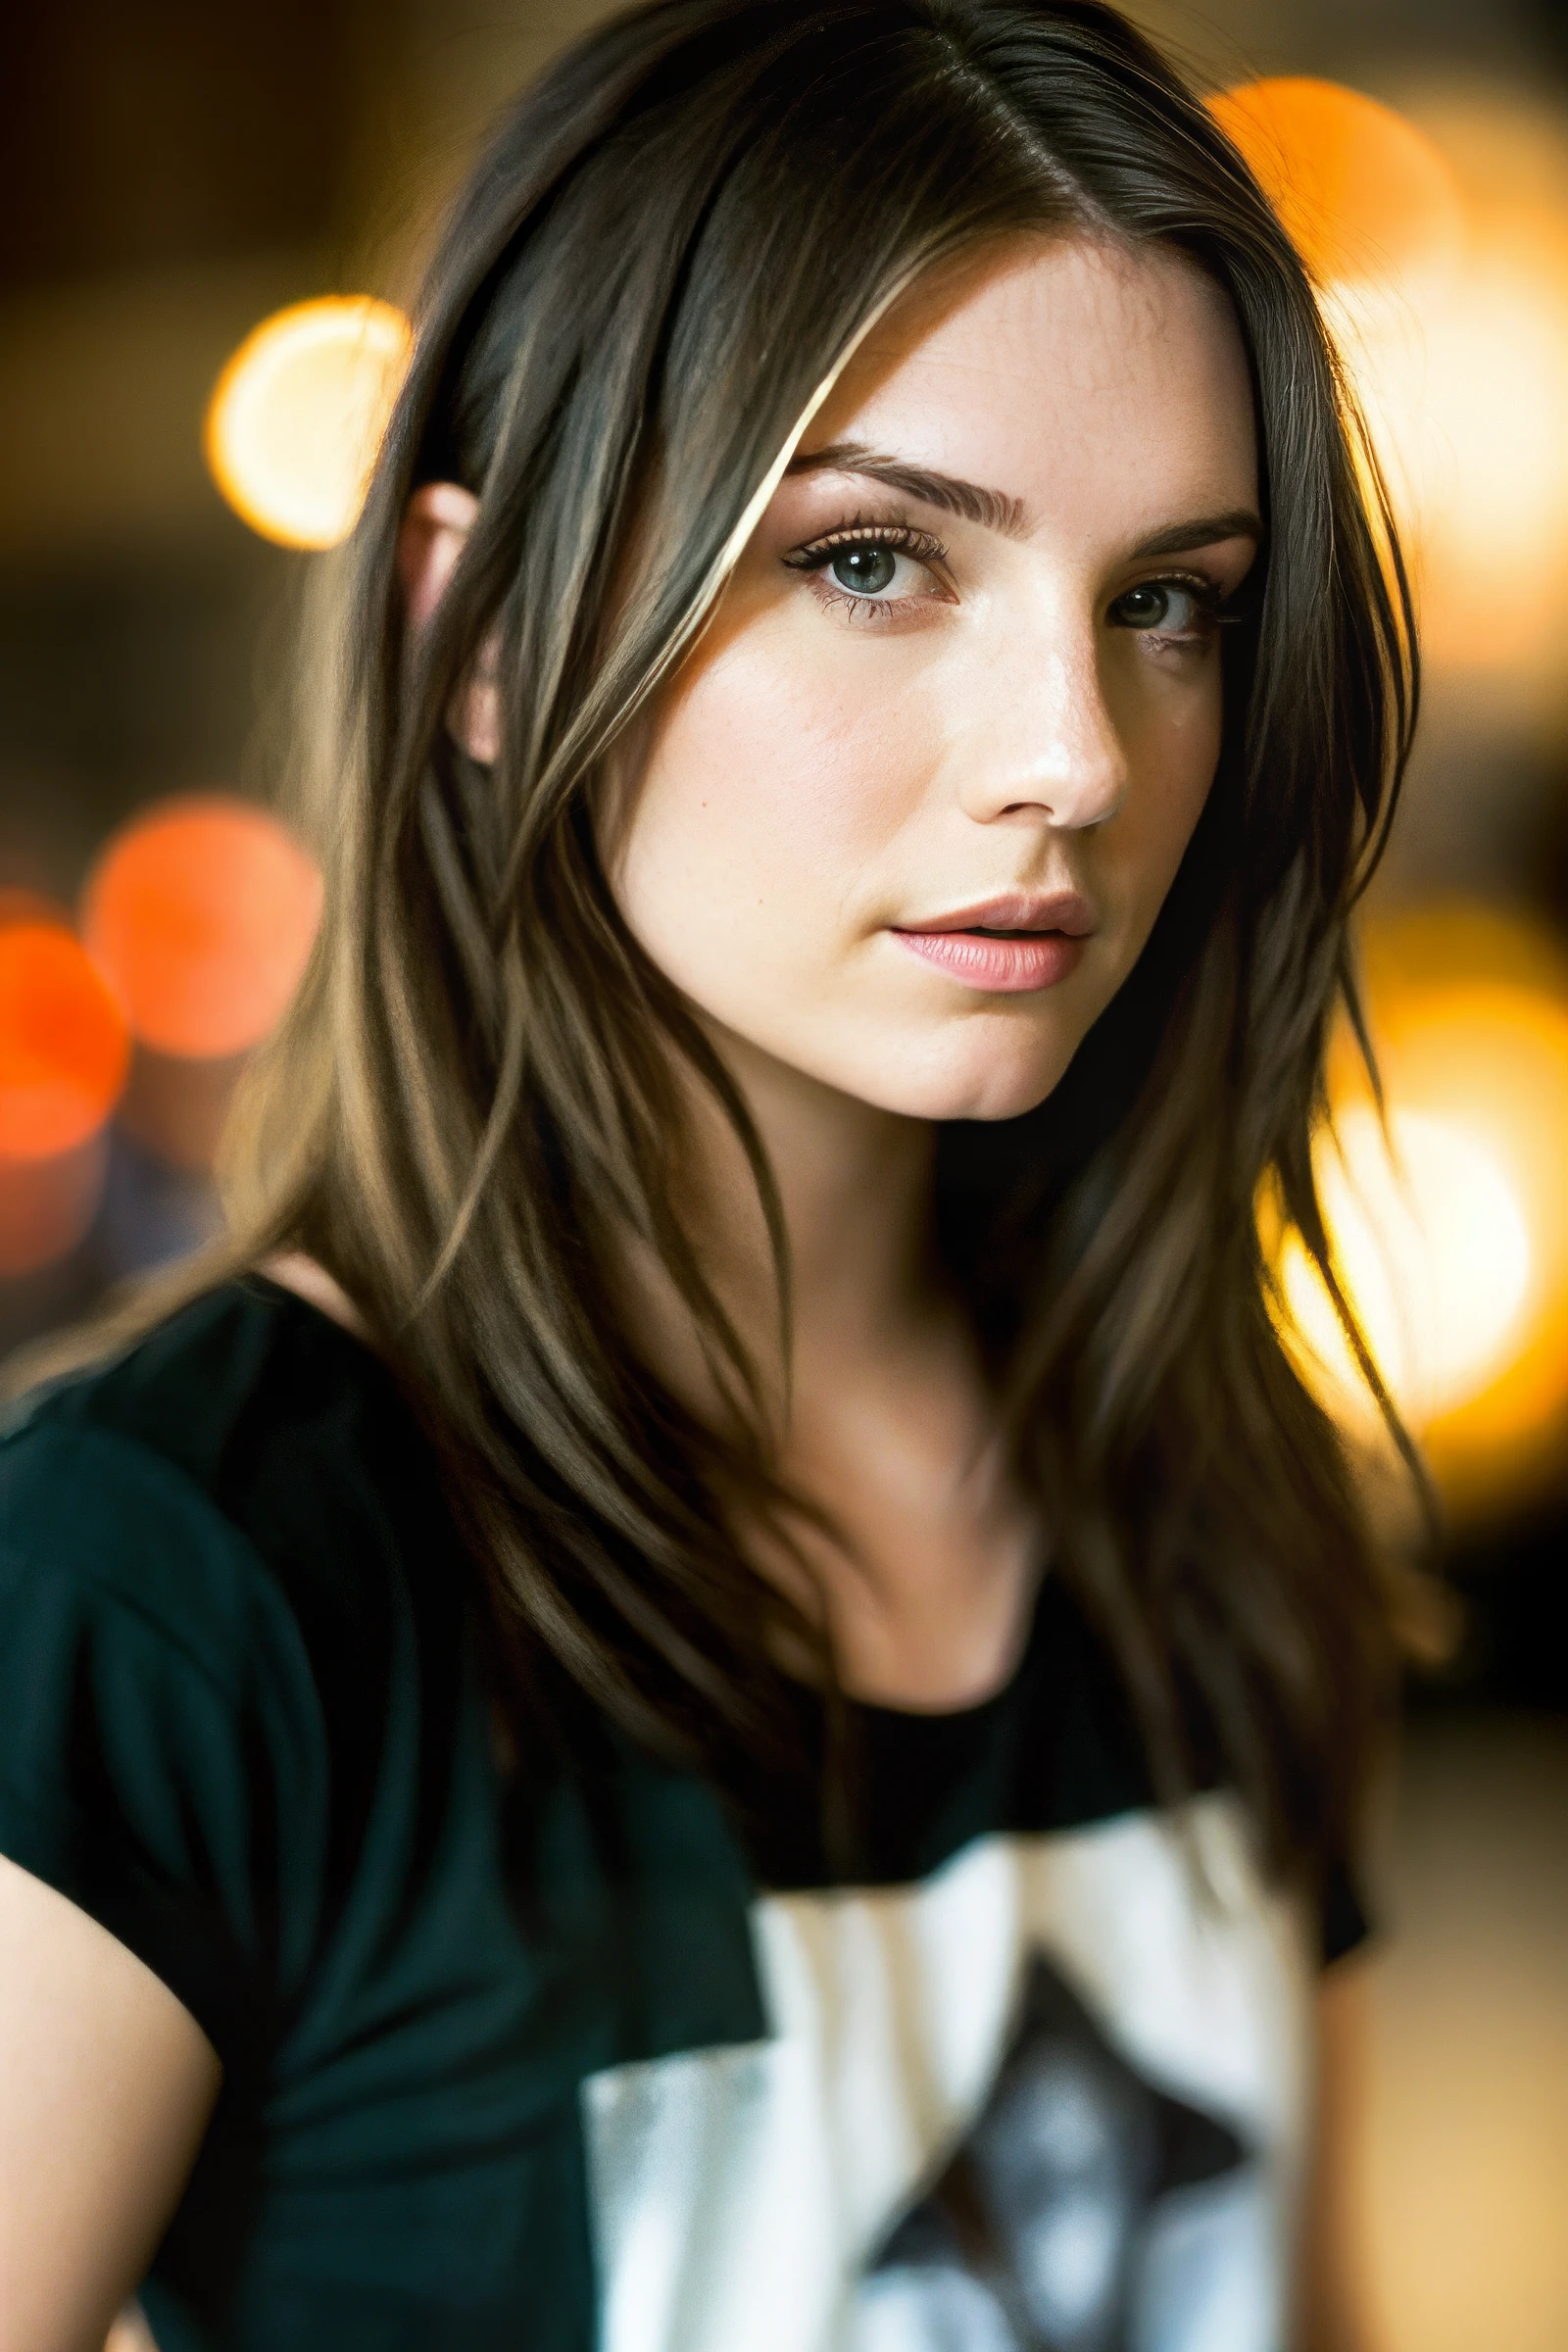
[[855, 1183], [927, 1557]]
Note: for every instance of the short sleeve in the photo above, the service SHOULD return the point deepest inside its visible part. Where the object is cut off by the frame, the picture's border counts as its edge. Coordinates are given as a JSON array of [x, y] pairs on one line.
[[160, 1757], [1345, 1926]]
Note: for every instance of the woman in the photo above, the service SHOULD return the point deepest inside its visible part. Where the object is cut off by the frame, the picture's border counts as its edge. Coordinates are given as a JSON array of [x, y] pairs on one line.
[[713, 1692]]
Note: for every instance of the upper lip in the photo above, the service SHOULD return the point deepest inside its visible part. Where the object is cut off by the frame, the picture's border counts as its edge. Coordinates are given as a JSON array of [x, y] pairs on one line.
[[1016, 911]]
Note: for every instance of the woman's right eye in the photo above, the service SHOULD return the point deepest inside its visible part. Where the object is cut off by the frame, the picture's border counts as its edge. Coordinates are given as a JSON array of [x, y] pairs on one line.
[[870, 569], [867, 569]]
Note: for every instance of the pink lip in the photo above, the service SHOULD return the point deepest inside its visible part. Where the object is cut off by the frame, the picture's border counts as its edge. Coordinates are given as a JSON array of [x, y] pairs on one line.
[[1045, 942]]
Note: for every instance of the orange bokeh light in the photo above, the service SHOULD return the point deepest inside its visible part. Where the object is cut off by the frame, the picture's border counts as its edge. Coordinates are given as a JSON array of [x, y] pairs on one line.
[[1365, 196], [63, 1049], [202, 911]]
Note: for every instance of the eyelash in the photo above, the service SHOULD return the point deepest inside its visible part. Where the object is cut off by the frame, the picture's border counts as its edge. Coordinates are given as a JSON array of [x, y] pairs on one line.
[[902, 537]]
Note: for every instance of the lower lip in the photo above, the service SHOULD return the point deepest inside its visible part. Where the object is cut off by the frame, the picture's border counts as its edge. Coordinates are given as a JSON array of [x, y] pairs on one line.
[[1004, 967]]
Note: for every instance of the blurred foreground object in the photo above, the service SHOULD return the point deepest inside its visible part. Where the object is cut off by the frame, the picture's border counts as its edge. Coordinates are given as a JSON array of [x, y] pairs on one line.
[[64, 1054], [298, 415], [202, 911], [1451, 1234]]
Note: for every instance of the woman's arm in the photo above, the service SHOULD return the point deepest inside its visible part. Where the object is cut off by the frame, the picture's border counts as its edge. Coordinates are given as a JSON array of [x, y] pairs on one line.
[[106, 2087], [1332, 2315]]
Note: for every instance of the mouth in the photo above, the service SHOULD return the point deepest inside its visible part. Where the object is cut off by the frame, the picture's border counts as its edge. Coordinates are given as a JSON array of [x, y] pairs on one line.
[[1011, 946]]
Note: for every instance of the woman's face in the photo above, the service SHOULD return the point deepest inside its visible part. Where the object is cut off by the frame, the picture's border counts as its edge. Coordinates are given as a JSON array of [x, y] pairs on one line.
[[909, 811]]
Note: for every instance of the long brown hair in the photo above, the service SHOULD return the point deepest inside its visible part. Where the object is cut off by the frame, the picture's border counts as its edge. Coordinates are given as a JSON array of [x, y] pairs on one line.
[[667, 251]]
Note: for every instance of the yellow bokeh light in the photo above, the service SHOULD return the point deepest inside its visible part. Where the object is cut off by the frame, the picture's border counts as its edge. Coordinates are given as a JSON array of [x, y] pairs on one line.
[[1451, 1233], [1465, 396], [1432, 1245], [298, 416]]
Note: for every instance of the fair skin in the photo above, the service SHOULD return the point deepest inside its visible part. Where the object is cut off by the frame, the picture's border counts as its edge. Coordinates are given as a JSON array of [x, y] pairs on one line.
[[900, 830], [106, 2087]]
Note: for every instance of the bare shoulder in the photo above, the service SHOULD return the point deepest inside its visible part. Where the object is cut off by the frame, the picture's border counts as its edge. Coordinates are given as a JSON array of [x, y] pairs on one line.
[[109, 2084]]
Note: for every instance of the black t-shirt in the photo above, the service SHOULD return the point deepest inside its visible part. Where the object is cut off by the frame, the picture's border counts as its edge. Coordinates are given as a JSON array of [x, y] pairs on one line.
[[586, 2064]]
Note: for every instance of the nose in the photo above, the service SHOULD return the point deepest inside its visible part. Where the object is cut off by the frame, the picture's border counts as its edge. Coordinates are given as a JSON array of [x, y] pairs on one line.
[[1045, 745]]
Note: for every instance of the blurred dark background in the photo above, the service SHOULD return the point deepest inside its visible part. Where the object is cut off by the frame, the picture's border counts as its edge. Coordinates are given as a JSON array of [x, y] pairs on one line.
[[171, 173]]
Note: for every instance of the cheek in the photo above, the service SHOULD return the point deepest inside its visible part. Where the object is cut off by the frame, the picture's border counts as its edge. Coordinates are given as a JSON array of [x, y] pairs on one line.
[[1173, 741], [753, 834]]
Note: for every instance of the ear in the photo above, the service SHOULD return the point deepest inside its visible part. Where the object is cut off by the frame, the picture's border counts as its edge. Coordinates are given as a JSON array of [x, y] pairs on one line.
[[436, 521], [435, 524]]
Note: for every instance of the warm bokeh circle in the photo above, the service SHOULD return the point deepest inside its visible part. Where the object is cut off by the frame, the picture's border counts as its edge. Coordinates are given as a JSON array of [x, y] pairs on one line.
[[1448, 1215], [298, 416], [1365, 196], [202, 911], [63, 1043]]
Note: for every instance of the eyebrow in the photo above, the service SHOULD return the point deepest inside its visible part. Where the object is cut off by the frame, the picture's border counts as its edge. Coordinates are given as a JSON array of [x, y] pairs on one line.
[[993, 509], [996, 511], [1205, 530]]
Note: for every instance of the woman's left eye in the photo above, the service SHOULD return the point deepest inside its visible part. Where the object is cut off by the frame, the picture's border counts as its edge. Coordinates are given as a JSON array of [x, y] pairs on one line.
[[1167, 609]]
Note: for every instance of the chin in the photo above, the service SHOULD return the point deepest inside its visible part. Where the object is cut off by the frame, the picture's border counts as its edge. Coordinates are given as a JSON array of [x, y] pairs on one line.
[[970, 1078]]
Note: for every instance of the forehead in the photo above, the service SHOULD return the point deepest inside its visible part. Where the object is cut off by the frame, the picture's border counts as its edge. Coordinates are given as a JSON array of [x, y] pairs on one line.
[[1063, 372]]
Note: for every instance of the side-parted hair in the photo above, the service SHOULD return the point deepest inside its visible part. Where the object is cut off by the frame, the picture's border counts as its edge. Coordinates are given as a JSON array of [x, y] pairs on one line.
[[664, 255]]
